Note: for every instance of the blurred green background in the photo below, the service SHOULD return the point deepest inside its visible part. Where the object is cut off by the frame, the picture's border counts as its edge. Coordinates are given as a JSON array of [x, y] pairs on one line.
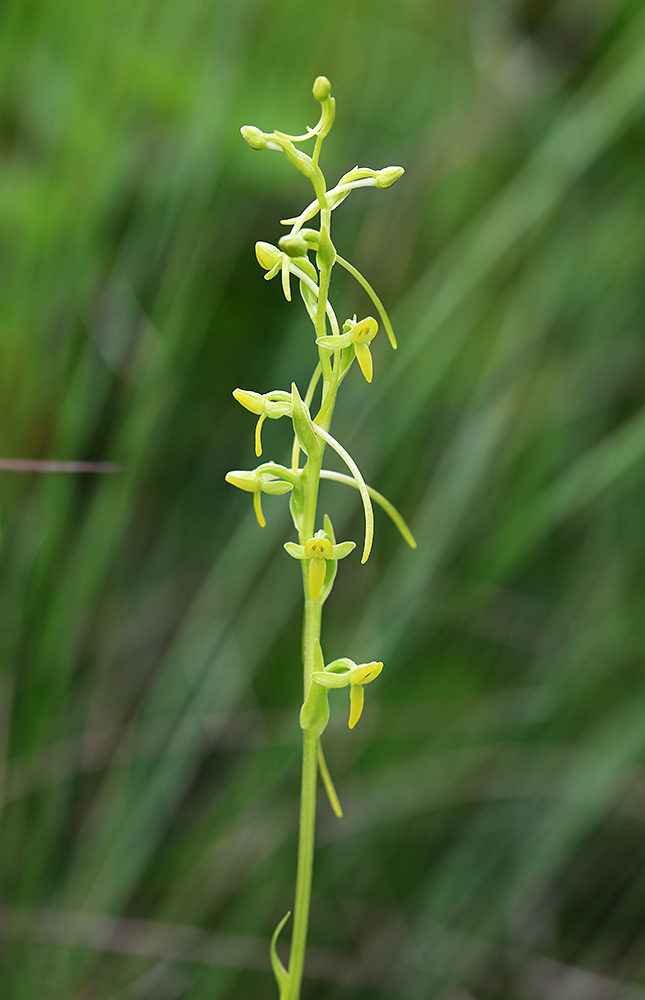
[[494, 792]]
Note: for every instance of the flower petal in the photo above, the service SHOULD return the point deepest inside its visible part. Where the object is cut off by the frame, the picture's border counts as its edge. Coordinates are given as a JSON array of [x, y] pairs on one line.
[[335, 343], [253, 401], [330, 680], [342, 549], [295, 551], [317, 568], [364, 358], [364, 673], [356, 701], [257, 506]]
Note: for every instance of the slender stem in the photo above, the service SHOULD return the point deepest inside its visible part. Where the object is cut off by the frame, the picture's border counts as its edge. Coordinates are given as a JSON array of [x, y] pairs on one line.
[[311, 632], [317, 148], [305, 863]]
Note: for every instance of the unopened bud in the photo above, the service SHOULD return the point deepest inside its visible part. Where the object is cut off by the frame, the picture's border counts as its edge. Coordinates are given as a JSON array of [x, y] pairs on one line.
[[254, 136], [321, 88], [294, 246], [388, 176], [312, 237]]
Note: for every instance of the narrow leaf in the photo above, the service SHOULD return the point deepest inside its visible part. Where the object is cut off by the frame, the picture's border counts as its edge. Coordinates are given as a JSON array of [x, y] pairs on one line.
[[332, 795], [279, 971]]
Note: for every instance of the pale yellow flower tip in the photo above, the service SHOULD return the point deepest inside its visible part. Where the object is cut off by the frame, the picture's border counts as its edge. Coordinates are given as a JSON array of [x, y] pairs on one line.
[[366, 672], [356, 701], [252, 401], [317, 570], [243, 480]]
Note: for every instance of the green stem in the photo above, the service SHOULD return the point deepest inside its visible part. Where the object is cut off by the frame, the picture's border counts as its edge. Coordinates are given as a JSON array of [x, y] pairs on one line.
[[305, 863], [311, 632]]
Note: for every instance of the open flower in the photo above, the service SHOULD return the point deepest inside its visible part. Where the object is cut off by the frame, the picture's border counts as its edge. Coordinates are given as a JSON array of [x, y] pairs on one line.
[[271, 404], [318, 550], [258, 481], [274, 260], [360, 335], [344, 673]]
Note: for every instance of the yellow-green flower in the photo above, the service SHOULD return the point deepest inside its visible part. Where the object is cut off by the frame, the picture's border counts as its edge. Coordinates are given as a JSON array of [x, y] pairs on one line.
[[271, 404], [344, 673], [359, 335], [273, 260], [318, 550], [258, 481]]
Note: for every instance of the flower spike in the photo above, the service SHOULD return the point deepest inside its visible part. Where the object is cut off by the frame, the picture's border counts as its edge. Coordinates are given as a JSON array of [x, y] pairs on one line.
[[318, 551]]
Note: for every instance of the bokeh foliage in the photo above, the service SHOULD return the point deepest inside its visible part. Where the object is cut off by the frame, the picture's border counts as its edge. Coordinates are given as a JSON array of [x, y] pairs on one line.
[[493, 845]]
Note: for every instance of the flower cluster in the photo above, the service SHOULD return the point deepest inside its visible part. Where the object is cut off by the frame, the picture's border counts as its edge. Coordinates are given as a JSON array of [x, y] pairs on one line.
[[337, 351]]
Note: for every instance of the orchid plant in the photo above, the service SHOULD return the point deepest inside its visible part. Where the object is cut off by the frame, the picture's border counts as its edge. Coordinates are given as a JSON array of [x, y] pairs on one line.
[[316, 548]]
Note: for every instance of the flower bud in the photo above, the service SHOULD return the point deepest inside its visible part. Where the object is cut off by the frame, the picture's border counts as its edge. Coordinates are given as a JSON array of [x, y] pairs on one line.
[[268, 255], [386, 177], [321, 88], [254, 136], [294, 246], [311, 237]]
